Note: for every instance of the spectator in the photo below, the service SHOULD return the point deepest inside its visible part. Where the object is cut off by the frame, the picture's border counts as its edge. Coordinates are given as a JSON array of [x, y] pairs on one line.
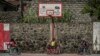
[[84, 46]]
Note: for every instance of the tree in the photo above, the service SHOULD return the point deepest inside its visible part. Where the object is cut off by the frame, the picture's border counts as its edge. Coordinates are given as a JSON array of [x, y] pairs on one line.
[[93, 8]]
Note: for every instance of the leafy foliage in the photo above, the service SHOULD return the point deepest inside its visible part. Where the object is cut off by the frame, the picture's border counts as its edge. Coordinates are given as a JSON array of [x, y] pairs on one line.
[[67, 15], [30, 16], [93, 8]]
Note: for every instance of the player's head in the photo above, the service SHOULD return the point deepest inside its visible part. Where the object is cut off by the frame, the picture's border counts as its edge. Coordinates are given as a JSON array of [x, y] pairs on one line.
[[53, 39], [12, 39]]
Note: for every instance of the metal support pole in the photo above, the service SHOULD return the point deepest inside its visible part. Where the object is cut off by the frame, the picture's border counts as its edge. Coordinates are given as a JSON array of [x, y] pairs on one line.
[[52, 30], [53, 26]]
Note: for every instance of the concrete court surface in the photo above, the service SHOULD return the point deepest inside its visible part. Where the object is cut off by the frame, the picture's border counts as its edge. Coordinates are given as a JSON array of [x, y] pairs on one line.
[[30, 54]]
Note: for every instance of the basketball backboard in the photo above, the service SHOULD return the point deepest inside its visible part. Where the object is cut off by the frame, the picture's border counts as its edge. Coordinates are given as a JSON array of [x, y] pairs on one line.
[[53, 9]]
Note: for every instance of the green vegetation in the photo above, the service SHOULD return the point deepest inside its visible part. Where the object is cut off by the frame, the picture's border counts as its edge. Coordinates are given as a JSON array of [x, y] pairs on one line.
[[93, 8], [67, 16], [32, 17]]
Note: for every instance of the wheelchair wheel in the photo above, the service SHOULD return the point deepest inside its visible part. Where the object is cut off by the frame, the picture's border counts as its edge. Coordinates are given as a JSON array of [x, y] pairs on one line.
[[13, 51]]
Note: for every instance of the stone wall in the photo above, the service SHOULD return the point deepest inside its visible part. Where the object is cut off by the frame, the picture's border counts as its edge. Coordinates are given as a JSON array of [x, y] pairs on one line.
[[70, 35], [34, 37], [9, 16], [31, 37]]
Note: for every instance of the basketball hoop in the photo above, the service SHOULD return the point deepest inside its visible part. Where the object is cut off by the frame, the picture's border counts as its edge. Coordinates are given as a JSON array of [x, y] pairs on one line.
[[50, 13]]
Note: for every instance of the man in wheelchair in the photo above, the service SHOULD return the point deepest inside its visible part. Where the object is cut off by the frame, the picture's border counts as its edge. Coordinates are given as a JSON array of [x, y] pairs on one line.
[[13, 47], [53, 47]]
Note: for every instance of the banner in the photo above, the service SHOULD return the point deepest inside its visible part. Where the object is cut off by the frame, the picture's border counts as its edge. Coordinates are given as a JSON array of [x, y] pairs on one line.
[[96, 36], [4, 36]]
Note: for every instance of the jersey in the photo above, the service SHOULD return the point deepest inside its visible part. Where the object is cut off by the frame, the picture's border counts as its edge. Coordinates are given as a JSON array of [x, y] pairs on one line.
[[53, 43]]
